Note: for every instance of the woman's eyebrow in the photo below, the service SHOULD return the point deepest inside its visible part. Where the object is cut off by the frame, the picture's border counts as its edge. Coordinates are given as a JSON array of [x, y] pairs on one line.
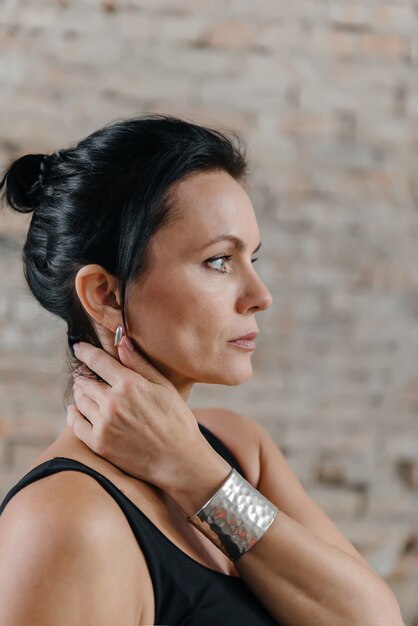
[[239, 243]]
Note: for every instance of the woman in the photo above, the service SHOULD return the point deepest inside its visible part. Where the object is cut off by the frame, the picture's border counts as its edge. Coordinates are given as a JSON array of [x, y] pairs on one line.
[[142, 240]]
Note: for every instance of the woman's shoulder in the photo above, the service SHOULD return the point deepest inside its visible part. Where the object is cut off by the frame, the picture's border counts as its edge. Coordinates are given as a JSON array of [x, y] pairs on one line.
[[61, 532], [65, 501], [57, 497], [239, 433], [68, 503]]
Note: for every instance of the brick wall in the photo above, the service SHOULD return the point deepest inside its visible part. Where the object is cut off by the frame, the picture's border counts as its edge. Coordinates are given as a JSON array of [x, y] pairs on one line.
[[326, 96]]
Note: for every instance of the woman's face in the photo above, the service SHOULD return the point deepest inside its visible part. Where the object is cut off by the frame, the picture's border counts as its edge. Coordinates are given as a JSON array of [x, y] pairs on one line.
[[187, 309]]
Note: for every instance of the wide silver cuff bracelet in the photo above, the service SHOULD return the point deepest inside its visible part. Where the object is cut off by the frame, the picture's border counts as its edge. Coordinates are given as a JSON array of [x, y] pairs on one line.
[[235, 517]]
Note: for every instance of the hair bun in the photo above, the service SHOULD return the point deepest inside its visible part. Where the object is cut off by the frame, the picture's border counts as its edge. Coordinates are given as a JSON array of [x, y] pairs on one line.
[[24, 182]]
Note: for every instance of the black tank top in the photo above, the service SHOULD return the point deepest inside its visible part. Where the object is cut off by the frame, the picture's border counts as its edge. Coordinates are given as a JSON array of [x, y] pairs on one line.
[[187, 593]]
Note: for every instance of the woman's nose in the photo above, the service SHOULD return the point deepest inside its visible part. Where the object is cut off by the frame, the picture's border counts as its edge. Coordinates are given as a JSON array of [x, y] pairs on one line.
[[265, 299], [256, 295]]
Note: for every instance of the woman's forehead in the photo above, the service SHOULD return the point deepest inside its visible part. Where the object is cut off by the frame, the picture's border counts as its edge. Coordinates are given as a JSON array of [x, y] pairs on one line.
[[214, 186], [208, 205]]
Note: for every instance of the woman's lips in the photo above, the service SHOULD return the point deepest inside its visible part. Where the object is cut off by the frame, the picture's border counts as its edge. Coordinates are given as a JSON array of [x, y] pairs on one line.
[[246, 344]]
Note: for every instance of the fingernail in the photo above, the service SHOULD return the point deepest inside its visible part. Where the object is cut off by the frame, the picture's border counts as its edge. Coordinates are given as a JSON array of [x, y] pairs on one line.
[[127, 343], [75, 348]]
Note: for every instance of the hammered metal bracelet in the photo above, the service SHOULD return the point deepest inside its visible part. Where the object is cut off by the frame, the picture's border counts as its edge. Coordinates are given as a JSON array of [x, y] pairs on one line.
[[235, 517]]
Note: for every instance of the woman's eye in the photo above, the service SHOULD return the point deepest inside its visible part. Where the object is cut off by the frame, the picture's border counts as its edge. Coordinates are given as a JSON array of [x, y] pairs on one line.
[[221, 260]]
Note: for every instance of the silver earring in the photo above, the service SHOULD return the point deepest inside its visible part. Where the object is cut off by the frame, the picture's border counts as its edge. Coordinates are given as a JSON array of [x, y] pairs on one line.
[[118, 335]]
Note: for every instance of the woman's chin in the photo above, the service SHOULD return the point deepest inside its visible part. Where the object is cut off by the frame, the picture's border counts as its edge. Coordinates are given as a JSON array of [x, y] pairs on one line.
[[232, 377], [238, 381]]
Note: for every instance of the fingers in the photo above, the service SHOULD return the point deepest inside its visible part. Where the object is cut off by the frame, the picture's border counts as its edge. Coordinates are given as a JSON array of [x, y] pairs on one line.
[[93, 388], [111, 370], [80, 426], [86, 405], [99, 361]]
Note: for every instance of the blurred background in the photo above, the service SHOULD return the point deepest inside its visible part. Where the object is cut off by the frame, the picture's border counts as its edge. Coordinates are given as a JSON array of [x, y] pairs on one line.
[[325, 95]]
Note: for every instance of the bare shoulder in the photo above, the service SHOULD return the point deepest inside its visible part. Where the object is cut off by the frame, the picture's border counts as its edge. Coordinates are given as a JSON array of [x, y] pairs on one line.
[[61, 547], [239, 433]]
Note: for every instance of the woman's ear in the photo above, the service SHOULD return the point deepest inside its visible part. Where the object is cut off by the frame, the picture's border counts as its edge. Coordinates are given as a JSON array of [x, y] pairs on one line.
[[98, 292]]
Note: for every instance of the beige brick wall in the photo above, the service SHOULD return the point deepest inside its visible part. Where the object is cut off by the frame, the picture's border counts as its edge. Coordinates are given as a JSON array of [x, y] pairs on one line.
[[326, 96]]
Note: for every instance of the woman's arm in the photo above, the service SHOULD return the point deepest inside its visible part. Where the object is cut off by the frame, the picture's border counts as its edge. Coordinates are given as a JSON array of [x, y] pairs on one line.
[[299, 577]]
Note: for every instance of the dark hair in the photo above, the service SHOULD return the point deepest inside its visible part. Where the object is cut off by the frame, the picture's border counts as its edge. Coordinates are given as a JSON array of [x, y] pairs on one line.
[[103, 200]]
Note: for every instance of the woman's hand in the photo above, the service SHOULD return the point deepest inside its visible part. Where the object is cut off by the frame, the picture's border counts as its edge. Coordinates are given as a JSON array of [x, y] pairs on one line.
[[137, 420]]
